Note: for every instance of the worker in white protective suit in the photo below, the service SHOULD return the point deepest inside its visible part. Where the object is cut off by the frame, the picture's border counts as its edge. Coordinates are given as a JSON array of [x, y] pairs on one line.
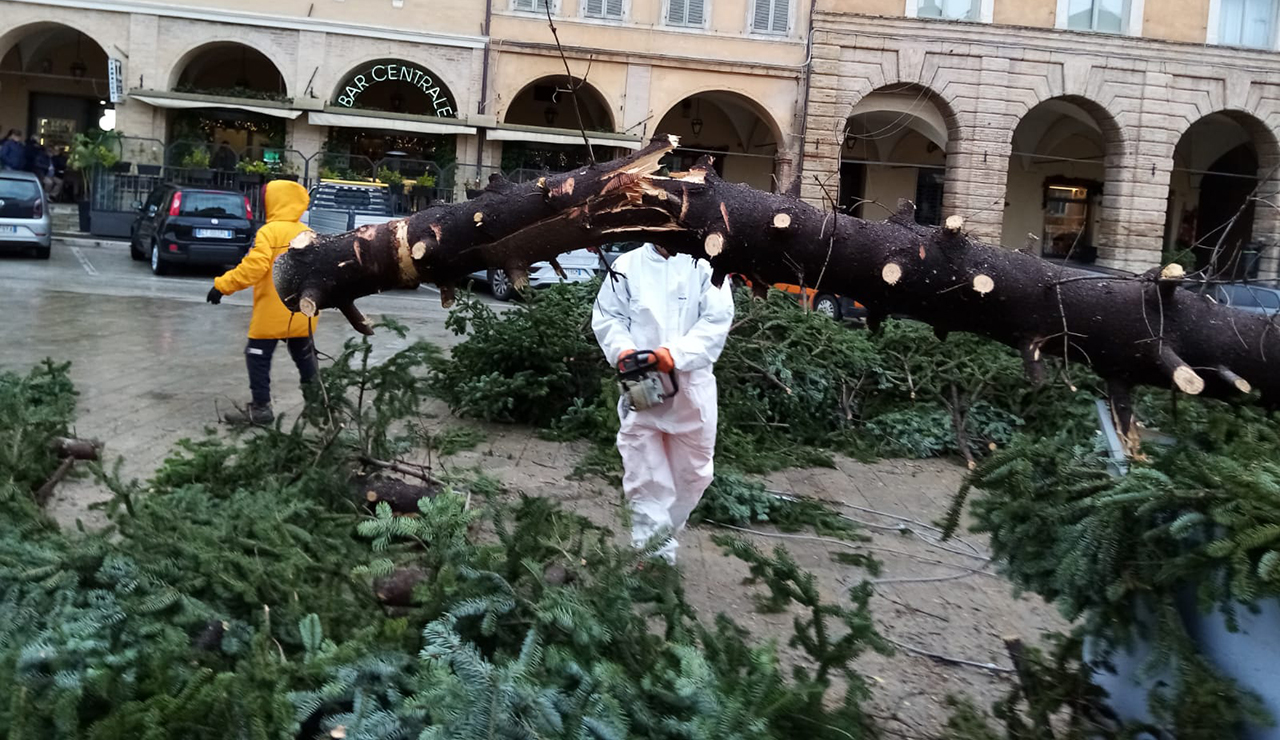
[[665, 304]]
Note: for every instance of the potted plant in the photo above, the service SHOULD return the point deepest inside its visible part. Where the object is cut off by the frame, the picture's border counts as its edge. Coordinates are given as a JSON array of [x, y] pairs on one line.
[[196, 163], [424, 185], [395, 188], [393, 179], [91, 153], [251, 173]]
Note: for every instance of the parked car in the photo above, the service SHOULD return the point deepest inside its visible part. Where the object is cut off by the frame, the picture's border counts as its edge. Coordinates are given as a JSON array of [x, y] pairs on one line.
[[191, 226], [613, 251], [1250, 297], [1246, 296], [338, 206], [833, 305], [837, 307], [24, 214], [580, 265]]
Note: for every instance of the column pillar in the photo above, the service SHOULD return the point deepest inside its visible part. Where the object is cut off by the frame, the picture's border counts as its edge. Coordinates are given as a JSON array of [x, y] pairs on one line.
[[977, 174], [1266, 217], [1135, 200], [134, 118], [823, 138]]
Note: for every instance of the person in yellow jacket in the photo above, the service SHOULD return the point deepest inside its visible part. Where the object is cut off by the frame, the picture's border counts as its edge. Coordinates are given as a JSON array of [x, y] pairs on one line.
[[285, 202]]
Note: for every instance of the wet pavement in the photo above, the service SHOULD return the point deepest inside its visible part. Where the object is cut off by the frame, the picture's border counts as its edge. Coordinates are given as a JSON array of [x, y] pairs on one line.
[[152, 361]]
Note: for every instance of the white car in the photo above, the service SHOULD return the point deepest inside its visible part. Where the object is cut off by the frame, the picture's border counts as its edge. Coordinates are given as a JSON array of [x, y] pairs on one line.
[[580, 265], [24, 215]]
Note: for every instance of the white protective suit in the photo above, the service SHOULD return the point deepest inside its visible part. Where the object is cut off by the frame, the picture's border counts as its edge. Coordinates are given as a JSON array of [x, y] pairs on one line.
[[666, 451]]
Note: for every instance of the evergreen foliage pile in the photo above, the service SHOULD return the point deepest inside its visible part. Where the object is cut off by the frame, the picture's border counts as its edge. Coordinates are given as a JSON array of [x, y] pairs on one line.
[[794, 385], [1054, 699], [235, 596], [1198, 516]]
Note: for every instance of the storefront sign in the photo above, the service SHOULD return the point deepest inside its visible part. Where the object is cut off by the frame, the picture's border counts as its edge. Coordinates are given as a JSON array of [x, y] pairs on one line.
[[397, 71], [115, 80]]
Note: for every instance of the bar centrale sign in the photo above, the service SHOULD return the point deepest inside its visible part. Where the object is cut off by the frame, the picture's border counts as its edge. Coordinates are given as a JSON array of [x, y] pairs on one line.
[[391, 71]]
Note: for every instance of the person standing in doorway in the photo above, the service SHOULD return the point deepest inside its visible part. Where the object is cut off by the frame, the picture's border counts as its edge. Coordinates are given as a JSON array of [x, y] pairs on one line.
[[13, 155], [34, 155], [225, 158], [666, 305], [285, 201]]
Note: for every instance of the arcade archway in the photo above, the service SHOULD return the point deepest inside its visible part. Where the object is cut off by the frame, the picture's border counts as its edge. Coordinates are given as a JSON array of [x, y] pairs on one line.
[[53, 84], [738, 133]]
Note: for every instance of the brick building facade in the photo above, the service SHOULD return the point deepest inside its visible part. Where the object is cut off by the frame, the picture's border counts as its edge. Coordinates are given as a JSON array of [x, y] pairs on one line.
[[1141, 99]]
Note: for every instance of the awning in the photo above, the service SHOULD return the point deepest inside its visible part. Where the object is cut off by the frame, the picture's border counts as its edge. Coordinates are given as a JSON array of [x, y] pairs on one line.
[[557, 136], [186, 103], [409, 125]]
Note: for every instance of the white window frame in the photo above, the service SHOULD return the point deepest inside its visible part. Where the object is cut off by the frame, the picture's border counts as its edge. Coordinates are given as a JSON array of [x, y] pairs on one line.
[[1213, 33], [986, 11], [626, 13], [751, 20], [1132, 24], [666, 16], [553, 4]]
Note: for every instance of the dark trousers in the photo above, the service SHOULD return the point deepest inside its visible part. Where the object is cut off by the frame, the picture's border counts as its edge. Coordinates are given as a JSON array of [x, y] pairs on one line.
[[257, 355]]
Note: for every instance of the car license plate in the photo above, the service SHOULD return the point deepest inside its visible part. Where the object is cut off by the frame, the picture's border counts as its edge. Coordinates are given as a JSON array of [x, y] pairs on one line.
[[582, 273], [214, 233], [8, 229]]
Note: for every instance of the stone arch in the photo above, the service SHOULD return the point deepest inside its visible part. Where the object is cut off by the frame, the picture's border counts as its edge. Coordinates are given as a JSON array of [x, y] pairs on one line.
[[1065, 158], [739, 133], [55, 81], [1223, 164], [227, 59], [736, 95], [13, 36], [894, 144], [534, 104]]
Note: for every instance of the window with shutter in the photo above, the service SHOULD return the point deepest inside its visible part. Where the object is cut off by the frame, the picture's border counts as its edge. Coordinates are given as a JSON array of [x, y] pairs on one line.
[[1247, 23], [770, 16], [538, 5], [603, 8], [781, 11], [686, 12]]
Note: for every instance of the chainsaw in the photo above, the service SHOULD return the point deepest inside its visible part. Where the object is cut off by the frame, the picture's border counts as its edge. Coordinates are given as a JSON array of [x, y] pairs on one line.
[[641, 381]]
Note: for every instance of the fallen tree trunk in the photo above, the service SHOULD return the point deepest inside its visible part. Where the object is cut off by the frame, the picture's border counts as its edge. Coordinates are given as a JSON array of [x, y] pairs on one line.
[[401, 496], [1132, 331]]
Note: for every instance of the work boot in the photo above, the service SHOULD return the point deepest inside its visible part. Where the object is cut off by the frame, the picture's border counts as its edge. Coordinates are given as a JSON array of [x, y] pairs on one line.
[[253, 414]]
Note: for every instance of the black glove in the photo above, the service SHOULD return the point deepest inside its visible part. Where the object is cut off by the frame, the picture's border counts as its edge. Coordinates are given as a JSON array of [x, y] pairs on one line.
[[214, 297]]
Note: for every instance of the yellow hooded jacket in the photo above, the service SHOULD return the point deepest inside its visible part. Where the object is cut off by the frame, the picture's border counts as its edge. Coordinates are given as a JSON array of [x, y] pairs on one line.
[[285, 202]]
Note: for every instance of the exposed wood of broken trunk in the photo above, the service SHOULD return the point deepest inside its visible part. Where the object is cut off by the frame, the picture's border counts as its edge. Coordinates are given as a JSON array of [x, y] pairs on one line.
[[1131, 331]]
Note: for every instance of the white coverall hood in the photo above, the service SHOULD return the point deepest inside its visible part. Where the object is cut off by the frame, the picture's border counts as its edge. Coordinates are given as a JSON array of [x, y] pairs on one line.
[[667, 451]]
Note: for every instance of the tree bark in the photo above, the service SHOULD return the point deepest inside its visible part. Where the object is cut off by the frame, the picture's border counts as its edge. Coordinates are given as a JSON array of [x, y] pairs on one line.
[[80, 449], [1132, 331], [397, 588], [402, 497]]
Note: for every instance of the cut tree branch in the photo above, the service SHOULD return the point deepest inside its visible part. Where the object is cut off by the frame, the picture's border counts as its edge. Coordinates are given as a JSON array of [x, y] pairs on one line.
[[893, 267]]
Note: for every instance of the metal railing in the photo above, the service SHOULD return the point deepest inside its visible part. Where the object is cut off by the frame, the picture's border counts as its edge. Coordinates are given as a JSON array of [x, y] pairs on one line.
[[124, 192], [131, 181]]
